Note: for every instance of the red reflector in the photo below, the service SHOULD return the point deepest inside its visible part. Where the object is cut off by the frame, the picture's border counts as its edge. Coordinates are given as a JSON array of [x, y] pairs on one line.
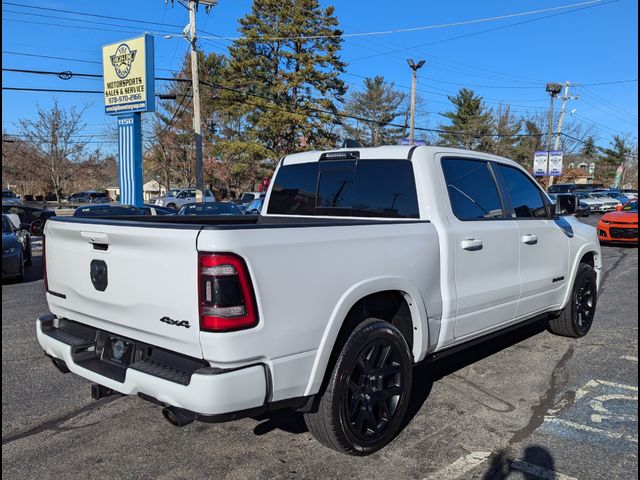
[[226, 298]]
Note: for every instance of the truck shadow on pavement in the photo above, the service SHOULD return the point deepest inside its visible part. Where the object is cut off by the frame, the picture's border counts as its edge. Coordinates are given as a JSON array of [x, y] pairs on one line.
[[425, 374], [536, 463]]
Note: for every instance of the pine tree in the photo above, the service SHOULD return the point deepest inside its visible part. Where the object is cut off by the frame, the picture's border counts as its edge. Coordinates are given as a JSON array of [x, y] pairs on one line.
[[287, 65], [381, 103], [589, 150], [471, 123]]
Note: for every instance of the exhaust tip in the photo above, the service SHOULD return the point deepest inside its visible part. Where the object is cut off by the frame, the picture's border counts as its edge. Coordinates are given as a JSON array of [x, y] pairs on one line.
[[177, 416], [60, 365]]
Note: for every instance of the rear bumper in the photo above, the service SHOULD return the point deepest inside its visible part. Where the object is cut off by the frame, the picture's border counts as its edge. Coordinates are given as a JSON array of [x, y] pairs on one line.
[[208, 392]]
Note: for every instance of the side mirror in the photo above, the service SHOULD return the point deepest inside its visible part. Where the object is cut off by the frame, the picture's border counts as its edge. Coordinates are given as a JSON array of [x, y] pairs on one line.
[[567, 205], [618, 208]]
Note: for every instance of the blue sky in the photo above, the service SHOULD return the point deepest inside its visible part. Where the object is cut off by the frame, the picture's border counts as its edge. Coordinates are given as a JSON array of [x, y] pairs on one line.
[[509, 64]]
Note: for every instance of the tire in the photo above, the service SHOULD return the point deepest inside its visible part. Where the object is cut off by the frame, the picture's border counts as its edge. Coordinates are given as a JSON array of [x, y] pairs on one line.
[[28, 260], [364, 403], [577, 317], [172, 205]]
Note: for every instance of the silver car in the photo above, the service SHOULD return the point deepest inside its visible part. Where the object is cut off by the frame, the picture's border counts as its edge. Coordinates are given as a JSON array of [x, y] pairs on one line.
[[176, 197]]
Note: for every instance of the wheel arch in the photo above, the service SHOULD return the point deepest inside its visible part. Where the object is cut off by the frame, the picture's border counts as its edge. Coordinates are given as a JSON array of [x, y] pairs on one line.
[[589, 254], [369, 298]]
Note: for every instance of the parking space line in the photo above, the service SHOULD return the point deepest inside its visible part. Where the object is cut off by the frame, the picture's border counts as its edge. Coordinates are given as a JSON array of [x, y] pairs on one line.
[[461, 466], [631, 359], [539, 471], [587, 428]]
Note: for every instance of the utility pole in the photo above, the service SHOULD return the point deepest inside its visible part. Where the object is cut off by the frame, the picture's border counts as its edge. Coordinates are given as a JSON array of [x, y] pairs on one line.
[[190, 34], [195, 85], [565, 97], [414, 81], [553, 89]]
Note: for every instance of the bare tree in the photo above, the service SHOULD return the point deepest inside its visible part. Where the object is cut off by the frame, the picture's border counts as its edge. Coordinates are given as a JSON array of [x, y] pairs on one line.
[[54, 137]]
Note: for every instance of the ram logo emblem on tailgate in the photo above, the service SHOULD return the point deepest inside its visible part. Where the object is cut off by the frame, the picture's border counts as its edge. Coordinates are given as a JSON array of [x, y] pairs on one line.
[[99, 275], [177, 323]]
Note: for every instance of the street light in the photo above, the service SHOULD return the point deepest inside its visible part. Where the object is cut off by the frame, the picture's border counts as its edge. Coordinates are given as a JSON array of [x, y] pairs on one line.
[[414, 78]]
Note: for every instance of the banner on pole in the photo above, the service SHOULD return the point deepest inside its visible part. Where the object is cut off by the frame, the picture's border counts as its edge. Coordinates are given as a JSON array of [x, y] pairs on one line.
[[128, 75], [618, 178], [555, 163], [540, 164]]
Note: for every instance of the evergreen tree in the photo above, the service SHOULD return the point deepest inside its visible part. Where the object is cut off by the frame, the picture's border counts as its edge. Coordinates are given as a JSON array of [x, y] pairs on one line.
[[381, 103], [589, 149], [287, 63], [471, 123]]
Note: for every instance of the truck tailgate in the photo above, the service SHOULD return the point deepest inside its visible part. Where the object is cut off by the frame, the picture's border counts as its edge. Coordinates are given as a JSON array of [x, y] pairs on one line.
[[151, 286]]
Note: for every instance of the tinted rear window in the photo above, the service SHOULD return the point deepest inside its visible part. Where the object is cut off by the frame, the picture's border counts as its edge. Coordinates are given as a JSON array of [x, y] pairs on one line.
[[363, 188]]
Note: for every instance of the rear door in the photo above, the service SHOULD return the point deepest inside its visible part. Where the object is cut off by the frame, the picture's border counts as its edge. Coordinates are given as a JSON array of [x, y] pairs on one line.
[[486, 247], [543, 245], [151, 278]]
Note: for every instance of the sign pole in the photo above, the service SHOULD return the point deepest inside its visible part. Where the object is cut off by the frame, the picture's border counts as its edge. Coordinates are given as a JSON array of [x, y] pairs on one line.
[[129, 90], [130, 159]]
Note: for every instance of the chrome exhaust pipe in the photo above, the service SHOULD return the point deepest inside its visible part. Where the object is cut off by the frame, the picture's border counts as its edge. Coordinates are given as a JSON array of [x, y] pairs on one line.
[[178, 417]]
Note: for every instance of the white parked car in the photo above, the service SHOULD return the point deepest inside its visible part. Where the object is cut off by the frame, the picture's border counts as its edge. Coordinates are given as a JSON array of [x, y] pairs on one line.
[[595, 205], [177, 197], [363, 263], [608, 204]]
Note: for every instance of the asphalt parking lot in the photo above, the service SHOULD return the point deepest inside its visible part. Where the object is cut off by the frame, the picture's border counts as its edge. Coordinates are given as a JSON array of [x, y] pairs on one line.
[[526, 405]]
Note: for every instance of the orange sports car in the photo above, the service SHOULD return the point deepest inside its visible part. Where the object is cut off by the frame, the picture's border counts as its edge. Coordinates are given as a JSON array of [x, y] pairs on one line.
[[621, 225]]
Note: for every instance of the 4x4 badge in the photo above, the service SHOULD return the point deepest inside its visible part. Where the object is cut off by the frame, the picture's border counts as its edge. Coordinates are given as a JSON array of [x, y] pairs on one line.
[[177, 323]]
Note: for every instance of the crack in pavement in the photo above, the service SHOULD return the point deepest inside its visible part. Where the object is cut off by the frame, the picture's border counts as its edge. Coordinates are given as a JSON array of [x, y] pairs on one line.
[[53, 424], [559, 380]]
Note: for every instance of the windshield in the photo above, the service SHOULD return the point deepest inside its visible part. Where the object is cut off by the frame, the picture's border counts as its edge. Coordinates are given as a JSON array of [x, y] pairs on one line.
[[6, 225], [246, 198], [216, 208], [172, 193], [631, 206]]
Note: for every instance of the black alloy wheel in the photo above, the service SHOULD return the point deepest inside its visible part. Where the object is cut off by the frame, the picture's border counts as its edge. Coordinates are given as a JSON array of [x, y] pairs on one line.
[[375, 389], [585, 303]]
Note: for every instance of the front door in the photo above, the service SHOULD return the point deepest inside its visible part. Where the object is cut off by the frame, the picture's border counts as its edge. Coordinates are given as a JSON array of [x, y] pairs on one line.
[[544, 245], [486, 247]]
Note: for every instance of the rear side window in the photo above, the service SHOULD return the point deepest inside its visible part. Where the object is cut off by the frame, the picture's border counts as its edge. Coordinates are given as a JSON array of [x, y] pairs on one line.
[[526, 197], [472, 189], [363, 188]]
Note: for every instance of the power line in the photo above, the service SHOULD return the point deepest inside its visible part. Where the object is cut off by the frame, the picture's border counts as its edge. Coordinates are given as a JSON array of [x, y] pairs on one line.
[[338, 33], [612, 82], [589, 5]]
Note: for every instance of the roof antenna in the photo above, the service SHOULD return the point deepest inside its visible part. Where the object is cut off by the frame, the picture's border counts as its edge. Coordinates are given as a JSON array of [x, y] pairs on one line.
[[350, 143]]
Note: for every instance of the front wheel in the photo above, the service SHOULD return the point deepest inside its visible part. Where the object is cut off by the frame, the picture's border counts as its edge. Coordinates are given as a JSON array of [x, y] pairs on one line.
[[172, 205], [366, 398], [577, 317]]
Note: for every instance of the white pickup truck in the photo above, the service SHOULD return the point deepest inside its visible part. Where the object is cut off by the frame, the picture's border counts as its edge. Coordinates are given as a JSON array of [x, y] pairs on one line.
[[363, 263]]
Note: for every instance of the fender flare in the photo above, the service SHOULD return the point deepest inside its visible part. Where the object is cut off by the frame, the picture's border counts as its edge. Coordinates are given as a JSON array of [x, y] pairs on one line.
[[584, 249], [348, 300]]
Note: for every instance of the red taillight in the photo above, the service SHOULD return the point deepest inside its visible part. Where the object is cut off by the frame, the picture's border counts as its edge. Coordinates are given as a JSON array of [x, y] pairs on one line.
[[44, 264], [225, 293]]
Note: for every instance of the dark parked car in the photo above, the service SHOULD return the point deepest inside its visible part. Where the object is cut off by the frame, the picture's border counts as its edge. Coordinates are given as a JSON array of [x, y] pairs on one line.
[[34, 216], [105, 210], [89, 197], [211, 208], [16, 249]]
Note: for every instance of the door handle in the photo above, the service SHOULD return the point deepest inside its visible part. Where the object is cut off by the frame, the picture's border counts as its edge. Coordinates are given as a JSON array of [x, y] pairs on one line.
[[530, 239], [471, 244]]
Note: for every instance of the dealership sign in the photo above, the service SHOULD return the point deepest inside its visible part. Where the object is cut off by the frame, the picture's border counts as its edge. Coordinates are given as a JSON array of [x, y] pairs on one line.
[[128, 72], [547, 164]]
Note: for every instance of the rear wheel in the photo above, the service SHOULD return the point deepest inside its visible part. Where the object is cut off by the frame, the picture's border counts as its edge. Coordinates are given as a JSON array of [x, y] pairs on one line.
[[366, 398], [172, 205], [577, 317]]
